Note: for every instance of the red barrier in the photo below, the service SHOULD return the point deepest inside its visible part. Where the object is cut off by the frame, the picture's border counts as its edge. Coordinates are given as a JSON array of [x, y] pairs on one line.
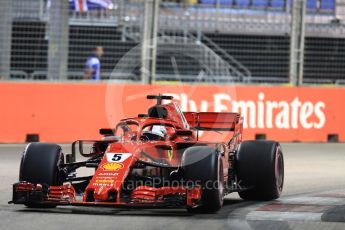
[[63, 112]]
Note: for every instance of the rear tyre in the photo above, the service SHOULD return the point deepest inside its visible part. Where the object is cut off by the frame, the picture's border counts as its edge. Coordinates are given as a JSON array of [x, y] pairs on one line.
[[40, 165], [203, 166], [260, 168]]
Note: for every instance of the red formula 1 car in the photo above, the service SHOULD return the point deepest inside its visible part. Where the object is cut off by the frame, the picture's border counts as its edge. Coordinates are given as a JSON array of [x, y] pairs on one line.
[[154, 160]]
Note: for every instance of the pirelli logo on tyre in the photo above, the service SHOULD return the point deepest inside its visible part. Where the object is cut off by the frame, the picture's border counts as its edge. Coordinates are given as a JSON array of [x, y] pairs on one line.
[[112, 166]]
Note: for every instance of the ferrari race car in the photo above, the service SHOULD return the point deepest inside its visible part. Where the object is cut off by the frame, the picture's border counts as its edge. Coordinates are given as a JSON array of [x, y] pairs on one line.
[[154, 160]]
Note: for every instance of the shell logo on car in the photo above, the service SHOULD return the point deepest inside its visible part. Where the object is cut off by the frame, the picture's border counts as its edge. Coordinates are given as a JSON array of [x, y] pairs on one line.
[[112, 166], [105, 181]]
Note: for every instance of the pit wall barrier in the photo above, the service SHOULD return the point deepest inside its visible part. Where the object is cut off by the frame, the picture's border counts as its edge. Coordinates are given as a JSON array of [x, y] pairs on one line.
[[64, 112]]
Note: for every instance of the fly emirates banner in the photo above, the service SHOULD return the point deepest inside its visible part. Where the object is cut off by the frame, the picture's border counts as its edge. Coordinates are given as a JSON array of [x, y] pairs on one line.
[[64, 112]]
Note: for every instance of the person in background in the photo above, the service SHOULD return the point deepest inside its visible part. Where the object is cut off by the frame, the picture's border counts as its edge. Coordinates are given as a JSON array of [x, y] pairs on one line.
[[93, 64]]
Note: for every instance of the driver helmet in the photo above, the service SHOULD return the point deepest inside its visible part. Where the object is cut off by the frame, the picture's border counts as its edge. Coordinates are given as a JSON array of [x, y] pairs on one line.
[[159, 131]]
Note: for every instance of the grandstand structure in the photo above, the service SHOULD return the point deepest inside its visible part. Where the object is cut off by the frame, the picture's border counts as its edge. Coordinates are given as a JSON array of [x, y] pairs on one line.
[[220, 41]]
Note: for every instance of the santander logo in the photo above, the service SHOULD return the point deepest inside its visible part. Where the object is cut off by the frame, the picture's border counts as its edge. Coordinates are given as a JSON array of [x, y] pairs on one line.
[[262, 113]]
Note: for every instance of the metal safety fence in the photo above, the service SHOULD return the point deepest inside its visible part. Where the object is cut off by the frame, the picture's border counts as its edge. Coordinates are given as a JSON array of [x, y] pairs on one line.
[[216, 41]]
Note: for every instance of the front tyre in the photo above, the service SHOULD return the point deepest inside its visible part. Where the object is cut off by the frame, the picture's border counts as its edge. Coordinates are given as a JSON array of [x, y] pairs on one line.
[[260, 168], [40, 165], [203, 165]]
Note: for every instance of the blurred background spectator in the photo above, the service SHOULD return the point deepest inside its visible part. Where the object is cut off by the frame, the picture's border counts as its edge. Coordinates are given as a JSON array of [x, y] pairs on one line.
[[93, 64]]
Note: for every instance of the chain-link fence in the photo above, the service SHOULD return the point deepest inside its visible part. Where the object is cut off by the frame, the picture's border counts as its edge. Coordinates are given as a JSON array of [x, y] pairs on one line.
[[220, 41]]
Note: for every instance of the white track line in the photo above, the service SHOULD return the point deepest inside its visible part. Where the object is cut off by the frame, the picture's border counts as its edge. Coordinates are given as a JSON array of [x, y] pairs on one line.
[[276, 215], [309, 200], [284, 216]]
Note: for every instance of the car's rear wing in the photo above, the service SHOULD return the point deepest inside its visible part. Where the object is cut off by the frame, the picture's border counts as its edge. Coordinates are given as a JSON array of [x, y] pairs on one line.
[[217, 121]]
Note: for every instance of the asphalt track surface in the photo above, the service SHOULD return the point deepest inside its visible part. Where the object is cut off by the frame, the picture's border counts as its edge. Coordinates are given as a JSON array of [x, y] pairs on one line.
[[313, 198]]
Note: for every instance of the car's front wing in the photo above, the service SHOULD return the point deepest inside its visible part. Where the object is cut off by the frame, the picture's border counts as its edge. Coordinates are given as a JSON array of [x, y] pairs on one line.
[[142, 197]]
